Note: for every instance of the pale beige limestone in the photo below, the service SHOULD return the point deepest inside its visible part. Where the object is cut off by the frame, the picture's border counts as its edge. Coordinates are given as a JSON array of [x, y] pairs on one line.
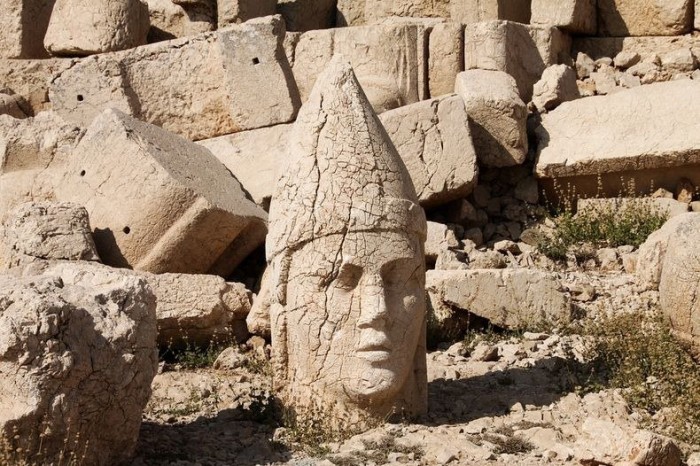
[[385, 58], [378, 9], [23, 25], [350, 13], [345, 280], [520, 50], [434, 141], [46, 231], [610, 136], [648, 47], [231, 80], [497, 116], [644, 17], [30, 80], [574, 16], [509, 298], [696, 23], [239, 11], [86, 27], [475, 11], [440, 238], [678, 284], [158, 202], [12, 104], [77, 357], [169, 20], [445, 57], [558, 85], [291, 39], [307, 15]]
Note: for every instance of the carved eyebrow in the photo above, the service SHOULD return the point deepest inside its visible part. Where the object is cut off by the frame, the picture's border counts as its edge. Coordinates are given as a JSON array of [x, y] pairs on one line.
[[390, 263]]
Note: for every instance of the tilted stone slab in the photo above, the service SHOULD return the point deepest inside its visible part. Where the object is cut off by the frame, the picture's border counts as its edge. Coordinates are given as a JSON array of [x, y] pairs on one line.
[[434, 141], [644, 17], [646, 134], [23, 25], [386, 60], [158, 202], [509, 298], [520, 50], [228, 81]]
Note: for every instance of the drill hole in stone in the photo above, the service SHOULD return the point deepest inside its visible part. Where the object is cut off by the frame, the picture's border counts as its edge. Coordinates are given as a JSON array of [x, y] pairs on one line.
[[256, 61], [82, 172], [126, 230], [80, 98]]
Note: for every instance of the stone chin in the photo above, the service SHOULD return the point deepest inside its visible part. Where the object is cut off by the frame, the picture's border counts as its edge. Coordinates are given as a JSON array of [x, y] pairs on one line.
[[375, 381]]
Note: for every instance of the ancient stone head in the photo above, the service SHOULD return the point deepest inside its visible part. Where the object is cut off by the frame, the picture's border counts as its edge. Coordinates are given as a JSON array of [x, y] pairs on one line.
[[345, 279]]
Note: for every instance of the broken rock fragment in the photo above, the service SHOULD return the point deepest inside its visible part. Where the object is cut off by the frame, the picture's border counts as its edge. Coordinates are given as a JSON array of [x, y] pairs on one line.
[[574, 16], [158, 202], [644, 17], [170, 20], [558, 85], [23, 25]]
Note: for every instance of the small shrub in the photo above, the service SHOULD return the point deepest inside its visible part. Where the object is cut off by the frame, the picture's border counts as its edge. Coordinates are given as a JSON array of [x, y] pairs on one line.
[[509, 444], [377, 452], [193, 356]]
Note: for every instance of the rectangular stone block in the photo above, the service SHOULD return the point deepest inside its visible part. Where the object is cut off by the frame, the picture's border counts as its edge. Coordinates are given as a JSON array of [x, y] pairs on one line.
[[157, 202], [385, 58], [644, 17], [574, 16], [697, 14], [520, 50], [350, 13], [239, 11], [378, 9], [23, 25], [235, 79], [474, 11], [434, 141], [170, 20], [445, 57]]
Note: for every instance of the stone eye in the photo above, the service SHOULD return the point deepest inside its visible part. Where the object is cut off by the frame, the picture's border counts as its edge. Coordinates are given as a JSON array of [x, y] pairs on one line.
[[349, 276]]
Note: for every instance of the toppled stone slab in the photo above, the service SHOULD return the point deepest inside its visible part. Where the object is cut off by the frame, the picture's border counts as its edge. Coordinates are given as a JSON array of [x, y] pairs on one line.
[[574, 16], [307, 15], [23, 25], [253, 158], [601, 139], [385, 59], [47, 231], [644, 17], [86, 27], [558, 85], [239, 11], [497, 116], [158, 202], [475, 11], [434, 141], [170, 20], [652, 252], [228, 81], [509, 298], [77, 360]]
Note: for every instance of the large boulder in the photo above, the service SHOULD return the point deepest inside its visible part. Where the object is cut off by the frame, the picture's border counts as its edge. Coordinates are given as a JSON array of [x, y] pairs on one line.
[[475, 11], [77, 357], [23, 25], [644, 17], [558, 85], [240, 11], [201, 87], [599, 140], [520, 50], [508, 298], [158, 202], [574, 16], [170, 20], [85, 27], [445, 57], [497, 116], [434, 141]]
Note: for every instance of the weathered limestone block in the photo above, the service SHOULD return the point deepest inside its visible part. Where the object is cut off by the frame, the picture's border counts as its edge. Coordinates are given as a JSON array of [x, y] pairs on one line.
[[31, 151], [158, 202], [350, 13], [475, 11], [574, 16], [77, 357], [307, 15], [445, 57], [198, 309], [697, 14], [497, 116], [30, 80], [385, 59], [378, 9], [170, 20], [440, 238], [678, 286], [85, 27], [231, 80], [644, 17], [23, 25], [604, 138], [648, 48], [558, 85], [520, 50], [239, 11], [509, 298], [12, 104], [434, 141], [348, 339], [652, 253], [253, 158], [46, 231]]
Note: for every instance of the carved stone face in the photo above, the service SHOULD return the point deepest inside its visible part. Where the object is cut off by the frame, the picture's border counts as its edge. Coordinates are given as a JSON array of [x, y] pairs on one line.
[[355, 309]]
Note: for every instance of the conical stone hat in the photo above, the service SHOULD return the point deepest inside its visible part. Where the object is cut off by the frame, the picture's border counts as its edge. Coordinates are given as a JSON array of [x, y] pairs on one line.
[[343, 173]]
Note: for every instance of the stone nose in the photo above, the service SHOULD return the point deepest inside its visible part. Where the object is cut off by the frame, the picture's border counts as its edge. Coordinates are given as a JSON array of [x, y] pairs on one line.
[[373, 308]]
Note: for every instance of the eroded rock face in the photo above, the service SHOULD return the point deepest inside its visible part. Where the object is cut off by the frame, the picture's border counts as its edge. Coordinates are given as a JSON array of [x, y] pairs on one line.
[[85, 27], [23, 26], [170, 20], [575, 16], [345, 278], [558, 85], [644, 17], [77, 357], [474, 11], [239, 11]]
